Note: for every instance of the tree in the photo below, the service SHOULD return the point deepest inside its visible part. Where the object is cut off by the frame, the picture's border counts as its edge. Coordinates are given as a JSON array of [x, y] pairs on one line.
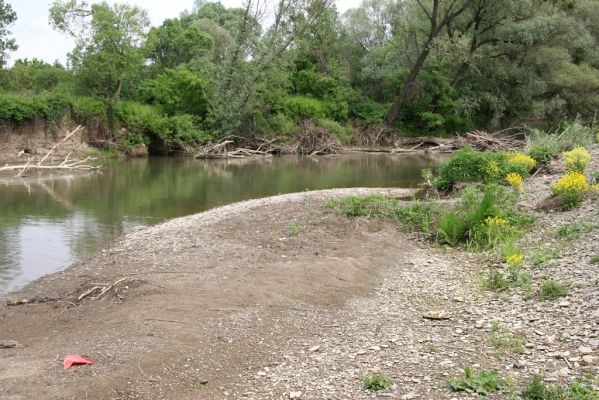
[[109, 43], [437, 14], [7, 44]]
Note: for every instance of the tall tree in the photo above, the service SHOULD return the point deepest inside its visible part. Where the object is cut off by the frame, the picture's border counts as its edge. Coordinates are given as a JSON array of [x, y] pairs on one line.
[[109, 43], [437, 14], [7, 44]]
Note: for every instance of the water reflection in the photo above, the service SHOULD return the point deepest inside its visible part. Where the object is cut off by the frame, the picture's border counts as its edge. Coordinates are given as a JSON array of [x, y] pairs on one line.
[[48, 223]]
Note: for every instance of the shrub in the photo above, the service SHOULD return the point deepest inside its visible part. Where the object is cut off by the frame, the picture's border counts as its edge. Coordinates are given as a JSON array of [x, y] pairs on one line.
[[19, 109], [576, 159], [282, 125], [335, 129], [369, 112], [543, 154], [301, 107], [482, 383], [376, 381], [572, 188], [520, 162], [468, 165], [84, 109], [514, 180], [551, 290]]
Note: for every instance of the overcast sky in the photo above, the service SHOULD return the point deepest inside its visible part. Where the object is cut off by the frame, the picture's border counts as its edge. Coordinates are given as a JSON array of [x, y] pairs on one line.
[[35, 38]]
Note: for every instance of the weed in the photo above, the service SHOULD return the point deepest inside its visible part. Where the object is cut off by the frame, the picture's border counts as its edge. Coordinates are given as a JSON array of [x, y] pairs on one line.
[[543, 256], [538, 390], [373, 205], [431, 348], [376, 381], [419, 216], [595, 259], [496, 326], [482, 383], [496, 281], [504, 341], [576, 159], [574, 231], [572, 188], [552, 290]]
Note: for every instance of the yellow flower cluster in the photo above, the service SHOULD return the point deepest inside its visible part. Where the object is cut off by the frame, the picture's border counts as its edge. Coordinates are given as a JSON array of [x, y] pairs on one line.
[[515, 180], [573, 181], [523, 160], [576, 159], [516, 260], [595, 187], [496, 221], [492, 170]]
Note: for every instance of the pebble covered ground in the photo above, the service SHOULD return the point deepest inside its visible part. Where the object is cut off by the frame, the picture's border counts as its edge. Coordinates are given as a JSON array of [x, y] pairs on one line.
[[514, 332]]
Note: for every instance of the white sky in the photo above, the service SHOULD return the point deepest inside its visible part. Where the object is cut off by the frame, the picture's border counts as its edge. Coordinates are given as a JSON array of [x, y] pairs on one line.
[[35, 38]]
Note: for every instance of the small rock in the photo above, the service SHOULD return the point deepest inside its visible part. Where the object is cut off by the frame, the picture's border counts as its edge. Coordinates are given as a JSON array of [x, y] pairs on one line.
[[564, 304], [436, 314], [313, 349], [409, 396], [585, 350], [593, 342], [589, 360], [295, 395]]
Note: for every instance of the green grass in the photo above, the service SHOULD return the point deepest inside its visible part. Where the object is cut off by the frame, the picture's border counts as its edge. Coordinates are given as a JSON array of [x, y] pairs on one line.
[[574, 231], [376, 381], [543, 256], [595, 259], [504, 342], [552, 290], [538, 390]]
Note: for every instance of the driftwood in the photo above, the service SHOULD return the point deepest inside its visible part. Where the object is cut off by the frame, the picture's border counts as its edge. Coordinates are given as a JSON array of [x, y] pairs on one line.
[[249, 147], [317, 141], [66, 164], [479, 140]]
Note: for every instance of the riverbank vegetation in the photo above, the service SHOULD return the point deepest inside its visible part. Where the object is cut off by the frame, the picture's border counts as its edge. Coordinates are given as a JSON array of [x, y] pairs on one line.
[[481, 202], [380, 70]]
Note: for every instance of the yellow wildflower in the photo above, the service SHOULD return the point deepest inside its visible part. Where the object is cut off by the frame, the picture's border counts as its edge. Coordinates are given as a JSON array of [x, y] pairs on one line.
[[516, 260], [572, 187], [522, 160], [576, 159], [496, 221], [515, 180]]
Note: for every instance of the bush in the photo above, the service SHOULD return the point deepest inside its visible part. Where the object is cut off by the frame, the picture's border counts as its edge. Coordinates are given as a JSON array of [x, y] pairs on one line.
[[376, 381], [521, 163], [340, 132], [468, 165], [301, 107], [543, 154], [369, 112], [282, 125], [576, 159], [19, 109], [572, 188], [84, 109], [515, 180]]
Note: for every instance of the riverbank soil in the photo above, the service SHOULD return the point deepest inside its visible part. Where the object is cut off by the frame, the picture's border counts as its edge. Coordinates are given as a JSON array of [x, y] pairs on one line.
[[280, 298]]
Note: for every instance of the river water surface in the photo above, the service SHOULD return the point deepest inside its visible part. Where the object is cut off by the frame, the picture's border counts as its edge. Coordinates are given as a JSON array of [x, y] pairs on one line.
[[49, 223]]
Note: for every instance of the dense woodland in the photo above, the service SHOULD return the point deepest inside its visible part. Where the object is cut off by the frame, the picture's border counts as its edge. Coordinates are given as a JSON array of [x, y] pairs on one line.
[[400, 67]]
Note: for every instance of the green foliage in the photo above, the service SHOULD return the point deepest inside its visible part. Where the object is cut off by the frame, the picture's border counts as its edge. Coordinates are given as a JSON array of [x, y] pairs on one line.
[[543, 154], [376, 381], [594, 259], [538, 390], [35, 76], [369, 112], [301, 107], [575, 231], [18, 109], [504, 341], [7, 18], [177, 91], [468, 165], [552, 290], [417, 217], [86, 109], [483, 382], [372, 205], [334, 128]]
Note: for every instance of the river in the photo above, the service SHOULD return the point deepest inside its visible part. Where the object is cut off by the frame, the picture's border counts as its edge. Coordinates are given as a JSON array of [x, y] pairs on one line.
[[48, 223]]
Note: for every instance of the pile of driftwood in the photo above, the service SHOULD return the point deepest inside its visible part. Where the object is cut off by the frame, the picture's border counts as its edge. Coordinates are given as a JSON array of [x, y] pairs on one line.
[[226, 148], [479, 140], [66, 164], [317, 141]]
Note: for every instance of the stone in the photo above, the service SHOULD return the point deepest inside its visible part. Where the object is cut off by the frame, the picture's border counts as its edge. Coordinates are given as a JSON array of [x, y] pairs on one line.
[[313, 349], [589, 360], [295, 395], [585, 350]]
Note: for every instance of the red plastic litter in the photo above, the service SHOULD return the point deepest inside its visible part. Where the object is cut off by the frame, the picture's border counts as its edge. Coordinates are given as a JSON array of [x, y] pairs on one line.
[[70, 360]]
